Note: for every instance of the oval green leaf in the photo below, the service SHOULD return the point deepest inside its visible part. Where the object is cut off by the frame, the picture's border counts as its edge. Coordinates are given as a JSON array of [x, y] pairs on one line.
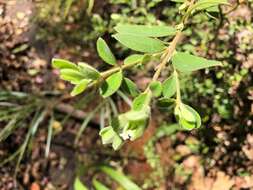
[[104, 52], [129, 87], [88, 71], [187, 113], [169, 86], [145, 30], [186, 62], [71, 75], [132, 59], [140, 43], [80, 87], [111, 84], [63, 64], [205, 4], [141, 101], [187, 117], [156, 88], [197, 116]]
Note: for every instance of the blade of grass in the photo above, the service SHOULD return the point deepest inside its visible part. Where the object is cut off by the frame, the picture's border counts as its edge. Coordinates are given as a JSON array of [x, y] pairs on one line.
[[124, 181], [124, 97], [49, 136], [86, 121], [17, 118], [31, 132], [102, 118], [90, 6], [6, 131], [113, 106], [98, 185]]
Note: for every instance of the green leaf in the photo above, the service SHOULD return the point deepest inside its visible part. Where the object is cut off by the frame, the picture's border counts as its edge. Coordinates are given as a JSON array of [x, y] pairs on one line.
[[156, 88], [186, 62], [187, 117], [63, 64], [135, 58], [197, 116], [111, 84], [145, 30], [140, 43], [80, 87], [134, 130], [138, 115], [117, 142], [109, 136], [169, 86], [187, 113], [141, 101], [186, 124], [88, 72], [129, 87], [205, 4], [165, 103], [78, 185], [104, 52], [98, 185], [120, 178], [71, 75]]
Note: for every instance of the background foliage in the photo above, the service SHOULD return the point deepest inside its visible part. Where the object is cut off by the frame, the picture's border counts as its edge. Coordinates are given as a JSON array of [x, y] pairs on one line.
[[218, 154]]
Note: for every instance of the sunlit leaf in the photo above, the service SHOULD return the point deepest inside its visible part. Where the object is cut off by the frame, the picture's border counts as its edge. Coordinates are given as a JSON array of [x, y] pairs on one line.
[[187, 117], [88, 71], [187, 113], [78, 185], [109, 136], [135, 58], [186, 62], [140, 43], [145, 30], [63, 64], [71, 75], [205, 4], [105, 53], [80, 87], [99, 186]]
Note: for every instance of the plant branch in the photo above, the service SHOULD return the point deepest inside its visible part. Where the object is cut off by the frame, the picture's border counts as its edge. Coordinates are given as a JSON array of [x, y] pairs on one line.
[[167, 55]]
